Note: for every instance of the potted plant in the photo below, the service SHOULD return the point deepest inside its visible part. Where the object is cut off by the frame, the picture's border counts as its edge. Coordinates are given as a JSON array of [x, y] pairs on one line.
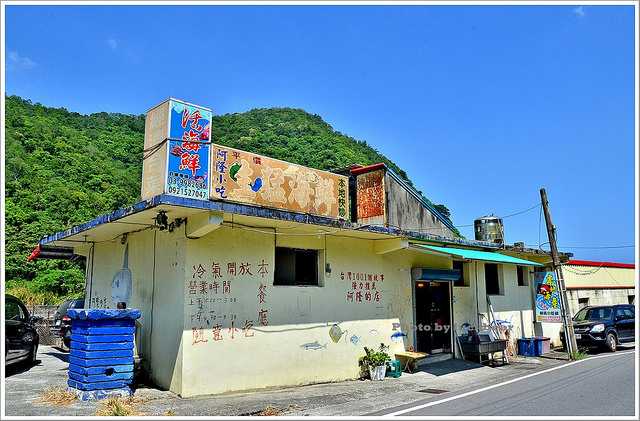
[[375, 362]]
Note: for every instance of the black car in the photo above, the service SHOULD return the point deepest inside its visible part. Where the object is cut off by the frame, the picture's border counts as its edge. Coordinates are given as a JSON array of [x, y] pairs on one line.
[[20, 333], [604, 326], [61, 326]]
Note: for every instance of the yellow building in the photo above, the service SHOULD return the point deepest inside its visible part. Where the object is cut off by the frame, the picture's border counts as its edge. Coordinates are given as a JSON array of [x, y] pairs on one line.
[[252, 272]]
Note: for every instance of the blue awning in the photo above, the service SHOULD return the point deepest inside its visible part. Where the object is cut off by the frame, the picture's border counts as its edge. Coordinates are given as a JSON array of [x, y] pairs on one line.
[[486, 256], [424, 274]]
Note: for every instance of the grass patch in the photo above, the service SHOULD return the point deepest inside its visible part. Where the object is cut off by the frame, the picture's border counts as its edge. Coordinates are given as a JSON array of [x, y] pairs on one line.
[[120, 407], [33, 297], [56, 396], [270, 411], [580, 354]]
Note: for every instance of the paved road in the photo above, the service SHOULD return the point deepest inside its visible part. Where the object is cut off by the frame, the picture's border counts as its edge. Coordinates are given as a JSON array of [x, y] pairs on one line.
[[602, 385], [347, 398]]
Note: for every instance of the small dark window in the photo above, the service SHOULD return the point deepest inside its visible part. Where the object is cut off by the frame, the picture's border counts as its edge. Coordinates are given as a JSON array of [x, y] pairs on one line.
[[492, 281], [583, 302], [461, 281], [296, 267], [522, 280]]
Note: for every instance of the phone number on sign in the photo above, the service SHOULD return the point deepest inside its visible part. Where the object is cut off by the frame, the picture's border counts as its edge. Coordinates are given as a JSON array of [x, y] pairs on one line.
[[182, 191], [187, 183]]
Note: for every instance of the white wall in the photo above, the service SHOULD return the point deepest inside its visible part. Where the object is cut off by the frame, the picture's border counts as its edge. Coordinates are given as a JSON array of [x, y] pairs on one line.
[[207, 330]]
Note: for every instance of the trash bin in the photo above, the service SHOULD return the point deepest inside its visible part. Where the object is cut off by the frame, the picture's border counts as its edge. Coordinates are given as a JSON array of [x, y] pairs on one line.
[[101, 359], [546, 344], [530, 347]]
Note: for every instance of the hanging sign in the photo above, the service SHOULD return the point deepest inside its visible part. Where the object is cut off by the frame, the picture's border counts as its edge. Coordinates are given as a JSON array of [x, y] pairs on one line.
[[547, 298], [177, 147], [188, 161]]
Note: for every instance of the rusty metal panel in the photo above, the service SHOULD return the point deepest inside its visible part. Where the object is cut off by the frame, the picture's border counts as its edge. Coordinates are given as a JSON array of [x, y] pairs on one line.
[[370, 189], [249, 178]]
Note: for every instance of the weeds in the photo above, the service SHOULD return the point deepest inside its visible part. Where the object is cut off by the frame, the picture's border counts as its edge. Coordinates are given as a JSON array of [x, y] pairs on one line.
[[120, 407], [31, 297], [579, 354], [56, 396], [273, 411]]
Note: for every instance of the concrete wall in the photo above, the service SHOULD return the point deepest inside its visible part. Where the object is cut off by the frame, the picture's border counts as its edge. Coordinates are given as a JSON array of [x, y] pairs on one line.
[[598, 276], [404, 211], [213, 321], [156, 263]]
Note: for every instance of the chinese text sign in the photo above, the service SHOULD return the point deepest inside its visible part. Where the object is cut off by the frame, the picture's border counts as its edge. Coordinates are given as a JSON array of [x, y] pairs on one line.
[[547, 298]]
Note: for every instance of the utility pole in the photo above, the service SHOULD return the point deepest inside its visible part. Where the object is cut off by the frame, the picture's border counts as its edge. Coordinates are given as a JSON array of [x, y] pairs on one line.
[[569, 335]]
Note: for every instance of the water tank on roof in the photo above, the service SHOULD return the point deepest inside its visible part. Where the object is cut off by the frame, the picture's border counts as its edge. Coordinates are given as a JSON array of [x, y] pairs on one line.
[[489, 228]]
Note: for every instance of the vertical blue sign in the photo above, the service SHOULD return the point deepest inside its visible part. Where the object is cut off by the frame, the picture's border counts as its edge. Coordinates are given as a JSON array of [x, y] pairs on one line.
[[547, 298], [189, 146]]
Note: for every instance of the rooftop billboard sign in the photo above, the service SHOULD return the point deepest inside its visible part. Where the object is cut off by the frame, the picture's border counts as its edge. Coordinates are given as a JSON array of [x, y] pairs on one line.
[[180, 159]]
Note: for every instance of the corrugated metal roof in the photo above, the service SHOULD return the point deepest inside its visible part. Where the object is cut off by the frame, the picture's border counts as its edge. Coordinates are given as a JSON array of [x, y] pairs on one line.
[[477, 255], [606, 264]]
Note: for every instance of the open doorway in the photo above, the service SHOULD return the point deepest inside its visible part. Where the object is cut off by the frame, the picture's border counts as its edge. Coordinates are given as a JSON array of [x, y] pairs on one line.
[[433, 316]]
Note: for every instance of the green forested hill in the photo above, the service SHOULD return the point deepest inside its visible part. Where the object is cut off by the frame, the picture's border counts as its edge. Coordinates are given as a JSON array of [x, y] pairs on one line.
[[63, 168]]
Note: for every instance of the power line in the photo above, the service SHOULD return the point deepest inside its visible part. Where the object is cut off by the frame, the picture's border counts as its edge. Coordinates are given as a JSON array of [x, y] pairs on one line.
[[583, 247], [503, 217], [597, 247]]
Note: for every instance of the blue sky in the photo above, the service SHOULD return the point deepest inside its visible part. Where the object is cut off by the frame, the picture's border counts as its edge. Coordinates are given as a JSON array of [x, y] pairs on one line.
[[481, 105]]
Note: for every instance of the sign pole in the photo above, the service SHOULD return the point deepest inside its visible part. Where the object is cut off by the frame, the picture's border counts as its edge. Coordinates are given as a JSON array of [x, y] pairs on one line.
[[570, 338]]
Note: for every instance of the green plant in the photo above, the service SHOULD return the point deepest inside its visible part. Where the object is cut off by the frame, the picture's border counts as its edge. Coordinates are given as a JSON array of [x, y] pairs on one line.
[[579, 354], [374, 358]]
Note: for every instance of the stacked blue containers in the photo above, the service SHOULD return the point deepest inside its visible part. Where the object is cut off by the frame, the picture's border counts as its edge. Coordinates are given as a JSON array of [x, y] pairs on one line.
[[101, 358]]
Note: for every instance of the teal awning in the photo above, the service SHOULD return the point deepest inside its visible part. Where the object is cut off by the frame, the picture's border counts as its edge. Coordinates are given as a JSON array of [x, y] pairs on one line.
[[486, 256], [429, 274]]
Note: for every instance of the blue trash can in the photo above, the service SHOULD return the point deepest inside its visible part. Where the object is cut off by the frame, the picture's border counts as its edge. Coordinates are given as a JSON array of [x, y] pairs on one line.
[[530, 347]]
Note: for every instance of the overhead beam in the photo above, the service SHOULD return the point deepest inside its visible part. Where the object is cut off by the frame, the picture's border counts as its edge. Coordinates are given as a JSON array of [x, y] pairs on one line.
[[203, 223], [386, 246]]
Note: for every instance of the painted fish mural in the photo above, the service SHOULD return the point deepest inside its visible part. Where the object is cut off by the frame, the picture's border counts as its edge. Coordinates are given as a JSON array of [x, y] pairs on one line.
[[354, 339], [373, 332], [398, 336], [335, 333], [313, 346], [233, 170], [257, 184]]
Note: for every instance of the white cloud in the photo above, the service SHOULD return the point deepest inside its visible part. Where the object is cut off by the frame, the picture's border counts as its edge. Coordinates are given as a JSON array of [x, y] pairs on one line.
[[16, 62], [579, 11], [113, 43]]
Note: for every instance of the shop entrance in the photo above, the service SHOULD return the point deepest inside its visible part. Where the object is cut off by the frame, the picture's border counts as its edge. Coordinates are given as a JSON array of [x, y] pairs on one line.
[[433, 316]]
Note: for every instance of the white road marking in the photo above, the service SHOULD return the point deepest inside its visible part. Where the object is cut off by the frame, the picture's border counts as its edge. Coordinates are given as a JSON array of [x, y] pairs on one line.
[[473, 392]]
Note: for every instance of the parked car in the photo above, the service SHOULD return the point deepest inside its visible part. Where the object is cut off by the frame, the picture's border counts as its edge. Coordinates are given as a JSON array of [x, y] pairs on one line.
[[21, 336], [604, 326], [62, 324]]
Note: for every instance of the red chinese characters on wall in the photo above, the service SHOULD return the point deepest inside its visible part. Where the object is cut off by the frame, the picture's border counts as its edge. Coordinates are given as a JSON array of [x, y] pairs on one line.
[[214, 303], [364, 286]]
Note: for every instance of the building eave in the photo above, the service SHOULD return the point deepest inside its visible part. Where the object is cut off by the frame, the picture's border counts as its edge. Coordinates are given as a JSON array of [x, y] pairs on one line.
[[142, 215]]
